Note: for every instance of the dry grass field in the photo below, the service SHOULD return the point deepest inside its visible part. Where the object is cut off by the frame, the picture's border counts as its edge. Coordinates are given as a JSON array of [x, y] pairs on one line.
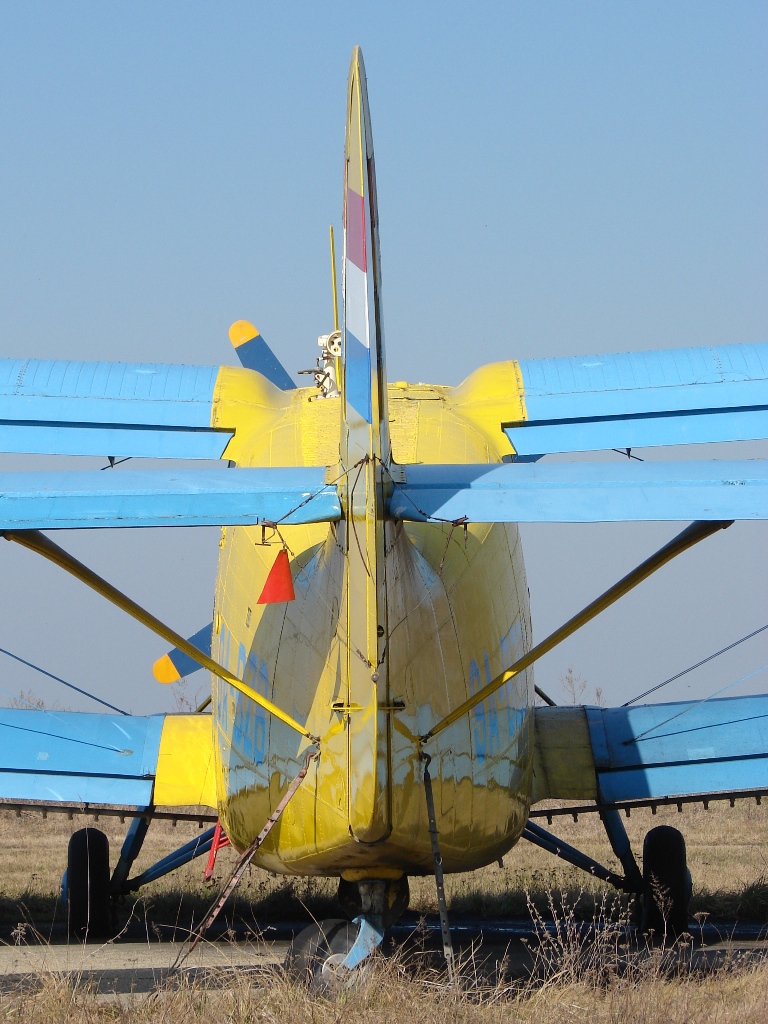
[[389, 994], [606, 984], [727, 855]]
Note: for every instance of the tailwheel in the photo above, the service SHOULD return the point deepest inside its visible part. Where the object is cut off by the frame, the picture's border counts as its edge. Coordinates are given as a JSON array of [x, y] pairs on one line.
[[666, 883], [87, 884], [316, 955]]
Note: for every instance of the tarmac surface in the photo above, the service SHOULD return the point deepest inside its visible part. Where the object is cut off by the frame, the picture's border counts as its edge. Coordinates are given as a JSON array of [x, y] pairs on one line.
[[133, 967]]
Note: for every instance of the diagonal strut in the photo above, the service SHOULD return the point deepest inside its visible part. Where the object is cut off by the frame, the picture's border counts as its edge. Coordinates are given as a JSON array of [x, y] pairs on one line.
[[690, 535], [42, 545]]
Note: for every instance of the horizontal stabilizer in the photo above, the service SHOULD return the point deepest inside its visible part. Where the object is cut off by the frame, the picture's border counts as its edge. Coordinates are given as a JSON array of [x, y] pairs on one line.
[[255, 354], [652, 751], [642, 399], [124, 760], [176, 664], [145, 410], [185, 497], [584, 492]]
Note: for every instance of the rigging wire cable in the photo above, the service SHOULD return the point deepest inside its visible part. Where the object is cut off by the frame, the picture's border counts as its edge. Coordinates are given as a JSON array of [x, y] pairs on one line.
[[693, 706], [63, 681], [698, 664]]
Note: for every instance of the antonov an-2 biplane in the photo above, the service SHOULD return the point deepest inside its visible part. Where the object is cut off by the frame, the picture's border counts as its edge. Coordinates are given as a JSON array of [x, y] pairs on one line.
[[371, 651]]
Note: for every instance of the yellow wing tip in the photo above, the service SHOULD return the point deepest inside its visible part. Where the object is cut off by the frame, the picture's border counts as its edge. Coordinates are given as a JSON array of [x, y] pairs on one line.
[[164, 670], [242, 331]]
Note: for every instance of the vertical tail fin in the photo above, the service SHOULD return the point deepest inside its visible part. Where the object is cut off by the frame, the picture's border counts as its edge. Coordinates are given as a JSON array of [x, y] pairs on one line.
[[365, 388], [365, 451]]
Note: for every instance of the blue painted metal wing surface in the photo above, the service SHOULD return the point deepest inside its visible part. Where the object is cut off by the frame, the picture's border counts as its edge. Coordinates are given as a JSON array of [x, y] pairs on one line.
[[663, 750], [140, 498], [67, 756], [147, 410], [641, 399], [584, 492]]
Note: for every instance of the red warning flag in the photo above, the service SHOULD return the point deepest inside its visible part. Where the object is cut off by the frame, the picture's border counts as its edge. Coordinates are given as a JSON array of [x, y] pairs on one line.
[[279, 585]]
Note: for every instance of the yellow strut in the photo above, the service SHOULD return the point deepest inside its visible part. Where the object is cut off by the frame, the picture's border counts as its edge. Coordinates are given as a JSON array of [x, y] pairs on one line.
[[691, 535], [36, 541]]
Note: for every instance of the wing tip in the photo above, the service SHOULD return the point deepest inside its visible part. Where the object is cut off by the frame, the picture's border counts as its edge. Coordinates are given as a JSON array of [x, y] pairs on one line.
[[241, 332], [165, 671]]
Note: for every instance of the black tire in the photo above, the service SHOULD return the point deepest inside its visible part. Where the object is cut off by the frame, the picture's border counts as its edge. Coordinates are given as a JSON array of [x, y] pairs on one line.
[[666, 883], [88, 897], [317, 950]]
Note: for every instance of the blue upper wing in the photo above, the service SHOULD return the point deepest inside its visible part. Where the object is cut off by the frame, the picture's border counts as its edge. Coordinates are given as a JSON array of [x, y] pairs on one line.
[[150, 410], [642, 399]]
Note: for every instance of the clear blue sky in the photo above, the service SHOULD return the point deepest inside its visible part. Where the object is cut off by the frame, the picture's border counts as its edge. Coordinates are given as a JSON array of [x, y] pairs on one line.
[[554, 179]]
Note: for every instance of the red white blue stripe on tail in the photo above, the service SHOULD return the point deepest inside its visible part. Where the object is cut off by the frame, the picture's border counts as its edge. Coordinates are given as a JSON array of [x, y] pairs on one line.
[[363, 336]]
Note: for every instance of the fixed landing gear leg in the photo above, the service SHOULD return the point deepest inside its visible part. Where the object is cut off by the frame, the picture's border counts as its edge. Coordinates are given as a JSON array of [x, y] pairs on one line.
[[619, 840], [131, 849]]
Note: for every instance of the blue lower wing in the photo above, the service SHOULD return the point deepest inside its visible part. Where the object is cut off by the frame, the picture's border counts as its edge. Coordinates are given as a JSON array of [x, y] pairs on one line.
[[72, 757], [667, 750]]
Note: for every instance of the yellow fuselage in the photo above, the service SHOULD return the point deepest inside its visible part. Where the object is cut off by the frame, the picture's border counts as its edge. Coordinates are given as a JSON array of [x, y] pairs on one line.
[[451, 613]]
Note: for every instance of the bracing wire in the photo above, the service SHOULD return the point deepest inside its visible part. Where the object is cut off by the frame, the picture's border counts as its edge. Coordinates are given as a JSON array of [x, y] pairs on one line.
[[64, 682], [698, 664], [696, 704]]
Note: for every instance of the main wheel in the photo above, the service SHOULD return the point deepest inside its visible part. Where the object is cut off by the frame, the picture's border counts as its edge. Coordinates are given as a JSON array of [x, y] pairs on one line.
[[316, 954], [87, 884], [666, 883]]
